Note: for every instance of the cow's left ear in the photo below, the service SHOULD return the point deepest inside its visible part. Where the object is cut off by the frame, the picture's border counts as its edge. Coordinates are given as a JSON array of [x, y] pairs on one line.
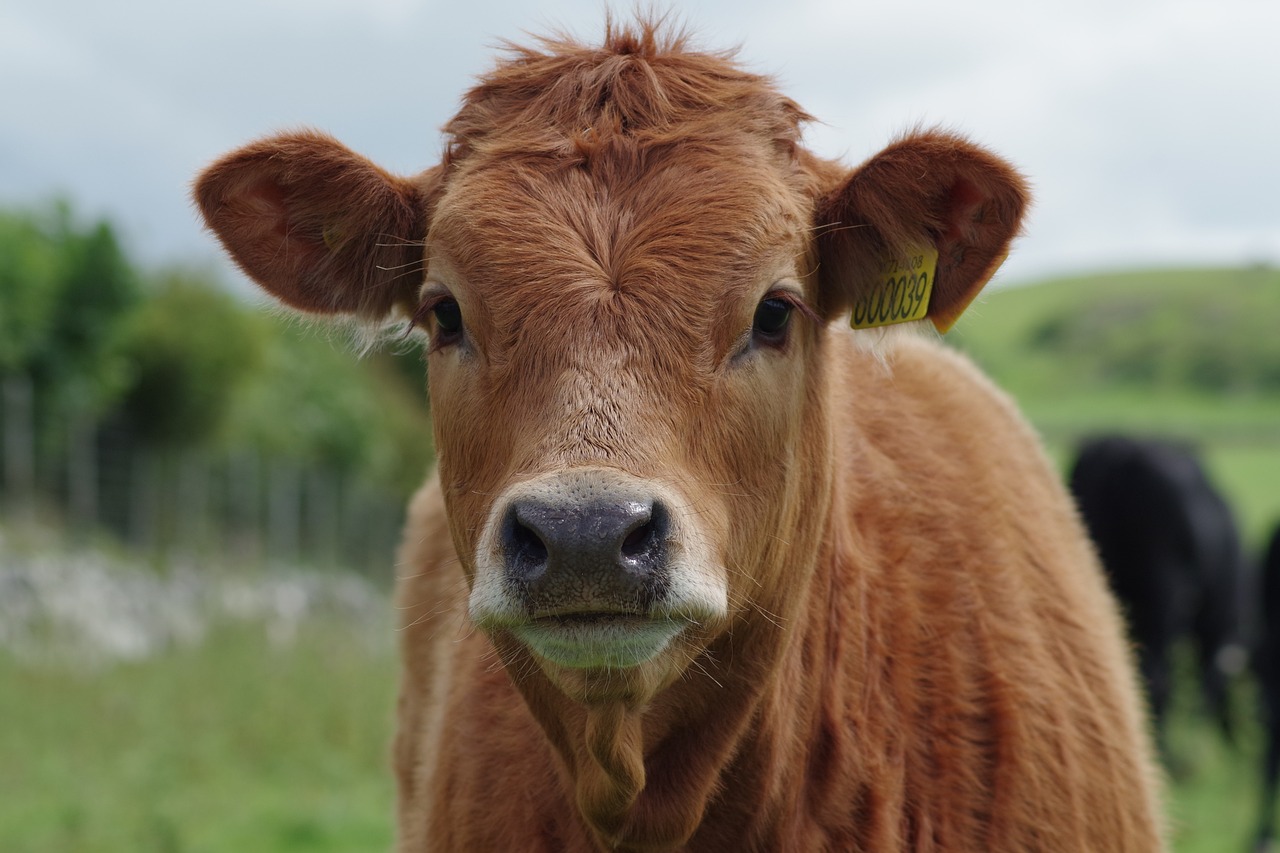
[[318, 226], [928, 191]]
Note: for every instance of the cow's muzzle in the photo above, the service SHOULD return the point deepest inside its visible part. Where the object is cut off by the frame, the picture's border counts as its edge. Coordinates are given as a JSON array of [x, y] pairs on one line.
[[594, 568]]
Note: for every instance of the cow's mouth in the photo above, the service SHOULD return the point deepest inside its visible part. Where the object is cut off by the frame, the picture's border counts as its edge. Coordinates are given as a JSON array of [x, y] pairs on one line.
[[598, 640]]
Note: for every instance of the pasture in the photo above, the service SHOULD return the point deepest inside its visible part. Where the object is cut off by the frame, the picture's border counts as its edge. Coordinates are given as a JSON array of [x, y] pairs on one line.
[[226, 746], [265, 729]]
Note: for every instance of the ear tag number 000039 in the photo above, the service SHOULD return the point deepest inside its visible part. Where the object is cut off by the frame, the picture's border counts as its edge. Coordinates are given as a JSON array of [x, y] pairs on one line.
[[900, 293]]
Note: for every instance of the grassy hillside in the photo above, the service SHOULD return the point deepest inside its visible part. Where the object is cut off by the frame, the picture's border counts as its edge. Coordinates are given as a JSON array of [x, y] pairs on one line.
[[1189, 353], [1194, 352]]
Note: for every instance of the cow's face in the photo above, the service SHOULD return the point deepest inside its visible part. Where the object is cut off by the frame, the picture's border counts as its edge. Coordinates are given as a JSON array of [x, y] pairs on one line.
[[623, 370], [630, 298]]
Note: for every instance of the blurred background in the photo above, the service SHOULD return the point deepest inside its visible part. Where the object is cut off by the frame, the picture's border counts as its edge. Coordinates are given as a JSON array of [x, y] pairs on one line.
[[200, 497]]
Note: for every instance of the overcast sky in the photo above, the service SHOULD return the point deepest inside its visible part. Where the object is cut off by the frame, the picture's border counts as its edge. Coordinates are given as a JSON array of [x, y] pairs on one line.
[[1150, 130]]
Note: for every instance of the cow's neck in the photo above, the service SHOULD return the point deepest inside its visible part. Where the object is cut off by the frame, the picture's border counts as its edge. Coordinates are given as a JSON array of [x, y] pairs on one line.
[[642, 777], [649, 786]]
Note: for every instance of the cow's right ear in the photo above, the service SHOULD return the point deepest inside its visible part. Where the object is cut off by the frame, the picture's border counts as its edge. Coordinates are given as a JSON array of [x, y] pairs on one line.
[[317, 225], [929, 195]]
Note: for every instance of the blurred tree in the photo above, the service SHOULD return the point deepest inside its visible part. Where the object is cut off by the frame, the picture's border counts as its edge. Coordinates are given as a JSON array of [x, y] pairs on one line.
[[65, 292], [315, 402], [28, 290], [406, 360], [189, 346], [156, 404]]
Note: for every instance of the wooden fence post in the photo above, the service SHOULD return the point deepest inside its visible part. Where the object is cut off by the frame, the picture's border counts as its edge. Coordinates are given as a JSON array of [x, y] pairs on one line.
[[82, 472], [19, 444]]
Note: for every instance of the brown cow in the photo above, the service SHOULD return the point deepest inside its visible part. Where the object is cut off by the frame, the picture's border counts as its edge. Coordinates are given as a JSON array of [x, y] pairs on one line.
[[744, 581]]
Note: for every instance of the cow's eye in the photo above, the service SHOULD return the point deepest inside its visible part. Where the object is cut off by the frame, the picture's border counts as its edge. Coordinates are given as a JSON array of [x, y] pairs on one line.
[[773, 315], [448, 318]]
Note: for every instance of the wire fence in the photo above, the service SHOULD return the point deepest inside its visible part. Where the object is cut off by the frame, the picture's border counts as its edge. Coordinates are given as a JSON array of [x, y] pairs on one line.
[[239, 508]]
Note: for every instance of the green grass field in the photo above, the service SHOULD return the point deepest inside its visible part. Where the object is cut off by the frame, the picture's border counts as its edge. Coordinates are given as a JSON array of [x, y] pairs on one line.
[[1214, 793], [231, 745]]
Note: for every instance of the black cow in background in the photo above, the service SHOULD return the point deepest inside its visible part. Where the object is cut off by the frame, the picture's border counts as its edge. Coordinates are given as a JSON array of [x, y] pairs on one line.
[[1266, 665], [1171, 548]]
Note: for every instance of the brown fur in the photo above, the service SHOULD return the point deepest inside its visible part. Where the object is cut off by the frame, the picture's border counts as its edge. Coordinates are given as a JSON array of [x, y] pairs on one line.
[[916, 649]]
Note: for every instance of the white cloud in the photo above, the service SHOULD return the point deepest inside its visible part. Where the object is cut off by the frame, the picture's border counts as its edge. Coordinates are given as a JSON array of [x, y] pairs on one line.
[[1147, 128]]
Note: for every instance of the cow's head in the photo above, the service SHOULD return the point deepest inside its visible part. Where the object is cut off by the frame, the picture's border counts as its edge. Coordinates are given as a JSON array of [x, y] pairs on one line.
[[630, 275]]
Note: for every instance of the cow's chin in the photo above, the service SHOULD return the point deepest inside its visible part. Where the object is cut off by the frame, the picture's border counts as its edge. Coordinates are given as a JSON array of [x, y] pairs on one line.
[[598, 659], [598, 640]]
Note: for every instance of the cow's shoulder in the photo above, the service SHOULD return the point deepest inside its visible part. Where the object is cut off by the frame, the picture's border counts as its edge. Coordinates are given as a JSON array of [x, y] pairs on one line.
[[952, 387], [950, 500], [980, 602], [933, 415]]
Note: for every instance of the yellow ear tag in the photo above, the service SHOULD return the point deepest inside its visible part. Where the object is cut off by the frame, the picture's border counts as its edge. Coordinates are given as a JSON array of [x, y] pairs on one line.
[[901, 291]]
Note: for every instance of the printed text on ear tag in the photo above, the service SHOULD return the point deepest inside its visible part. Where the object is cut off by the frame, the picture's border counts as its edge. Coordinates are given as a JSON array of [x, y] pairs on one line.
[[900, 292]]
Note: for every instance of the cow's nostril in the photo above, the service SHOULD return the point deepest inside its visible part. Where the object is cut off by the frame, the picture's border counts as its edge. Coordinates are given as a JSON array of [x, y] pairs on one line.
[[637, 541], [527, 544], [526, 552], [648, 536]]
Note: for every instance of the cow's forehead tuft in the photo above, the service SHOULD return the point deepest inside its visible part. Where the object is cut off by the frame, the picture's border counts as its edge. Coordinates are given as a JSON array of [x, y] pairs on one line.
[[567, 100]]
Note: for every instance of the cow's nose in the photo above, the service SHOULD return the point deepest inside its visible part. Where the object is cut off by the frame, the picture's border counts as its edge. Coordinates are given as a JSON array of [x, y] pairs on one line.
[[606, 554]]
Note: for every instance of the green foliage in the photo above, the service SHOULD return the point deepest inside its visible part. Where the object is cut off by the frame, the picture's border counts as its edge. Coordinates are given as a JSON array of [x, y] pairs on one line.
[[314, 401], [99, 288], [28, 290], [66, 290], [189, 348], [185, 366]]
